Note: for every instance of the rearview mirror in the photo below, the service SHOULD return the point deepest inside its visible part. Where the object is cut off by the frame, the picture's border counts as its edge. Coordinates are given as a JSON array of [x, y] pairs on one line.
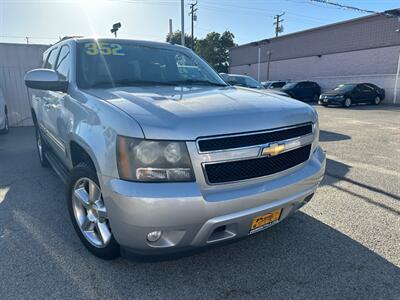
[[45, 79]]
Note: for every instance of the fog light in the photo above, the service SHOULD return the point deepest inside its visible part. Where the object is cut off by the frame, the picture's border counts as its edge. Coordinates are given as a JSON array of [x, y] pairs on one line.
[[154, 236]]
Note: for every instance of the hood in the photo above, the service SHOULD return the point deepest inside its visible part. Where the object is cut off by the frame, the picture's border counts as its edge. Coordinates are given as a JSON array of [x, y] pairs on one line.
[[186, 113]]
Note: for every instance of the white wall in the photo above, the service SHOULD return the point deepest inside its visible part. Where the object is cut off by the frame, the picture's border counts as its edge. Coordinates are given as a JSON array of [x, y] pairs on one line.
[[15, 61], [329, 70]]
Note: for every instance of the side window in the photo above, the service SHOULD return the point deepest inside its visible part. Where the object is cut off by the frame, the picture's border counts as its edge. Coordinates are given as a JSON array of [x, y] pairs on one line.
[[51, 59], [308, 85], [301, 85], [63, 63], [367, 88]]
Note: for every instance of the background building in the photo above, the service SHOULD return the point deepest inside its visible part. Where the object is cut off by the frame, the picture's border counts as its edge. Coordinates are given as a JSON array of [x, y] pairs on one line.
[[360, 50], [16, 60]]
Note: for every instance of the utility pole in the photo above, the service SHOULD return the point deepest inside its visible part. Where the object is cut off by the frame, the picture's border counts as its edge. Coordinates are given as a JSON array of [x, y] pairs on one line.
[[170, 28], [182, 23], [278, 24], [193, 10]]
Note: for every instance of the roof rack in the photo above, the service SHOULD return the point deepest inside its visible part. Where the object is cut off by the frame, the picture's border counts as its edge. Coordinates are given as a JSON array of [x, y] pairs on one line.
[[67, 38]]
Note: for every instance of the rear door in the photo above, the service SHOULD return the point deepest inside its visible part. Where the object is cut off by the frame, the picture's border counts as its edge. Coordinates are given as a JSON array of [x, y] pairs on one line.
[[369, 93], [309, 90], [358, 94], [303, 91]]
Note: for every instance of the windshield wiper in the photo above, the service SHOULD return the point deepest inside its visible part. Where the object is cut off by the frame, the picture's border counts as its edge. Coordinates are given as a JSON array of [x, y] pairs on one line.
[[131, 83], [200, 82]]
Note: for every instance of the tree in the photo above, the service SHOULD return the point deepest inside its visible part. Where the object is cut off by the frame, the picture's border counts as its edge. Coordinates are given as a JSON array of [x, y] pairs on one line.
[[214, 48], [175, 38]]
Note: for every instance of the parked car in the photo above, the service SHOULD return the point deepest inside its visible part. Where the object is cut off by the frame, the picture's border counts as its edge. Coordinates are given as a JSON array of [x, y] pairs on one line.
[[273, 84], [276, 92], [350, 93], [303, 90], [157, 162], [4, 125], [242, 80]]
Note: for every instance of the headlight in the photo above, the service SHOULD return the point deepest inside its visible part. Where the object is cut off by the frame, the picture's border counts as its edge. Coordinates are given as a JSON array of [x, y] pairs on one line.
[[151, 160], [316, 134]]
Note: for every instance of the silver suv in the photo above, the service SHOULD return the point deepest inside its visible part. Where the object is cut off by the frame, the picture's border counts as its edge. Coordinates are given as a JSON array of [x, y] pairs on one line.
[[159, 155]]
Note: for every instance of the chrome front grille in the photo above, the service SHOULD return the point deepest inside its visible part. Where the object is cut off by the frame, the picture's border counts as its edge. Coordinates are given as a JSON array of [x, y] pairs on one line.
[[236, 158]]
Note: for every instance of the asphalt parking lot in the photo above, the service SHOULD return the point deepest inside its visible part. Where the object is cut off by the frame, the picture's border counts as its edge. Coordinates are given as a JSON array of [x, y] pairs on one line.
[[343, 244]]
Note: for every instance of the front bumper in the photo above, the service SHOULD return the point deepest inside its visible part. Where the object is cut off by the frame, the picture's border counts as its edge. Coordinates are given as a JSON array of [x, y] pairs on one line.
[[191, 217], [333, 101]]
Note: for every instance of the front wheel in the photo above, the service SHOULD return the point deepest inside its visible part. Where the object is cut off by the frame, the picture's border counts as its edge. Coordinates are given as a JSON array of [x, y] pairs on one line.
[[6, 127], [315, 98], [347, 102], [89, 213]]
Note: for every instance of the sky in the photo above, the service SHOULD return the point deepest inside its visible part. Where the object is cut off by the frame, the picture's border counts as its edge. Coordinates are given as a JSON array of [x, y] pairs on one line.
[[45, 21]]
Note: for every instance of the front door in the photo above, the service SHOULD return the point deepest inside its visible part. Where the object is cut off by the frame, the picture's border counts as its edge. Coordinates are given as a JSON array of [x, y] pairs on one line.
[[56, 111]]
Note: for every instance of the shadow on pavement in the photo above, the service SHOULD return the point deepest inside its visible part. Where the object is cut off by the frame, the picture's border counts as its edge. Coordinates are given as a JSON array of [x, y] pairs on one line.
[[337, 171], [41, 256], [329, 136]]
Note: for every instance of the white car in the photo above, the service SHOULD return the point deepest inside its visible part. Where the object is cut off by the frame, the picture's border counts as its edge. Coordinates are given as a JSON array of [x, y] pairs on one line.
[[3, 114]]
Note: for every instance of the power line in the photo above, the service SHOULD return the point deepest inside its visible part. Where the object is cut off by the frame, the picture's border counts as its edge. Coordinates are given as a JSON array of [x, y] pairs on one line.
[[391, 14], [193, 9]]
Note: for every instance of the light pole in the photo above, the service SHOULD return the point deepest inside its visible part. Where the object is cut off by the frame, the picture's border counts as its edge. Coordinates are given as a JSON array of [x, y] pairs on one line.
[[269, 58], [182, 23], [396, 80], [259, 63]]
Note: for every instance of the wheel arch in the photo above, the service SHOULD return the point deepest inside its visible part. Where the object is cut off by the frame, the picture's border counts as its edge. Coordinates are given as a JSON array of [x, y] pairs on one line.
[[79, 152]]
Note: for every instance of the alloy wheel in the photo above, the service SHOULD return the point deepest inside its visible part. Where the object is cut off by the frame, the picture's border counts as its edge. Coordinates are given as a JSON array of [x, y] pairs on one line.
[[90, 212], [377, 100], [6, 128], [347, 102]]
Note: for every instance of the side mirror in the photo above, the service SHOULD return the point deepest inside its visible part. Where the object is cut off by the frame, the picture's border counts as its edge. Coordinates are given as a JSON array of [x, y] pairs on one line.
[[45, 79]]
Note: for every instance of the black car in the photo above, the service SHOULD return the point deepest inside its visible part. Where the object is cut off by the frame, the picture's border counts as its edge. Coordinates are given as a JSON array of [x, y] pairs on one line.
[[303, 90], [273, 84], [242, 80], [348, 94]]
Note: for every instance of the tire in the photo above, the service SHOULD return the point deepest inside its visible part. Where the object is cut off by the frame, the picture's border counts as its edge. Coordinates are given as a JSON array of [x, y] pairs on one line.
[[41, 148], [89, 214], [315, 98], [347, 103], [6, 127], [377, 100]]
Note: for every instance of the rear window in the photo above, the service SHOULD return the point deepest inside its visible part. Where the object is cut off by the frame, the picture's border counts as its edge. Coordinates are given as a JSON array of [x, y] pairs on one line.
[[277, 84]]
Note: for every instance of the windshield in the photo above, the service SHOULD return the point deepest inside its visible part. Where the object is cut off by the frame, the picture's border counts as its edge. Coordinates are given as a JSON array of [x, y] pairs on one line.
[[112, 63], [252, 83], [344, 87], [289, 85]]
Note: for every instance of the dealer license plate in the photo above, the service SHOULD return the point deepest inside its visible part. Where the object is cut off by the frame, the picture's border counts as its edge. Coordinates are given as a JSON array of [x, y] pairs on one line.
[[263, 221]]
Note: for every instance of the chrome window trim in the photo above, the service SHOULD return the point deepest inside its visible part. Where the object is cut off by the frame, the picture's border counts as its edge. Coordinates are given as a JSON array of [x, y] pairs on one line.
[[245, 134]]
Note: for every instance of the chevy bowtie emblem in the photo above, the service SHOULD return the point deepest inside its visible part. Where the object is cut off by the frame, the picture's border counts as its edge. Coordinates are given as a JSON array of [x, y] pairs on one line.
[[273, 149]]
